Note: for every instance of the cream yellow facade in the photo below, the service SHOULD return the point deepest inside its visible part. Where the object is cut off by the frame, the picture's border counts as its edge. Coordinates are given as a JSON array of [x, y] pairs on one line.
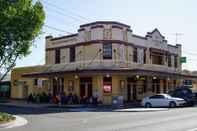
[[21, 87], [103, 54]]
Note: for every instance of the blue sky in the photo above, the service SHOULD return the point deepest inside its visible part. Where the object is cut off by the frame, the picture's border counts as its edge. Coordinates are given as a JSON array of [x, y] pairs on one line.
[[169, 16]]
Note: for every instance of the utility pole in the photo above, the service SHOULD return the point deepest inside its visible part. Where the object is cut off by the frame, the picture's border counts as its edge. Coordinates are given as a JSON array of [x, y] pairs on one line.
[[176, 37]]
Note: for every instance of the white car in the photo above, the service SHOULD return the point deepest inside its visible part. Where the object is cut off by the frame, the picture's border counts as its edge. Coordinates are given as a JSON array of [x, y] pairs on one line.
[[162, 100]]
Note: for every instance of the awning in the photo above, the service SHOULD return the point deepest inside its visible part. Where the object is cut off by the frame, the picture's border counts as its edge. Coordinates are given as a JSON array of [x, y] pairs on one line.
[[125, 72]]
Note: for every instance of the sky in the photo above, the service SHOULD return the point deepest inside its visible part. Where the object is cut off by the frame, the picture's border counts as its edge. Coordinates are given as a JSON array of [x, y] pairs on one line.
[[169, 16]]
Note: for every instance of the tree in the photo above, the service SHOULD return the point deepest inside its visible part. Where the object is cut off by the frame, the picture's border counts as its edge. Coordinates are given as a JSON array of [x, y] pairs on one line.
[[21, 22]]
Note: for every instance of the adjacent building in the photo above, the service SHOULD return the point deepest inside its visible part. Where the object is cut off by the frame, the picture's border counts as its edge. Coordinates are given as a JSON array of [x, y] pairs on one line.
[[104, 57], [5, 87]]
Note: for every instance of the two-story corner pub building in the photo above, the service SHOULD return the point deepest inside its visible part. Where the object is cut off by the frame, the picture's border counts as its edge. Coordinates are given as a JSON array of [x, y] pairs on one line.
[[104, 57]]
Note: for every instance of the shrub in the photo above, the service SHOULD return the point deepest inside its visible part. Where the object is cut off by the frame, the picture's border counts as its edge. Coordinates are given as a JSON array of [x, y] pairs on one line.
[[5, 117]]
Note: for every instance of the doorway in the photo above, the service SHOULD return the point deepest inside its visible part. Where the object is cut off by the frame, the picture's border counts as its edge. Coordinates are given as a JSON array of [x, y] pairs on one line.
[[156, 85], [131, 89], [58, 86], [85, 87], [131, 92], [25, 91]]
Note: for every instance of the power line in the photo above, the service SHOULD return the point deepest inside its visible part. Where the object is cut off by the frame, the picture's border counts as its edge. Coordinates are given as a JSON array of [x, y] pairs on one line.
[[60, 11], [190, 53], [63, 14], [77, 15], [59, 30], [61, 20], [177, 35]]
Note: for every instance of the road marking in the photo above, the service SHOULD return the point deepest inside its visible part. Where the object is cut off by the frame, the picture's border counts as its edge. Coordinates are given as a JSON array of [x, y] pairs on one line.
[[194, 129]]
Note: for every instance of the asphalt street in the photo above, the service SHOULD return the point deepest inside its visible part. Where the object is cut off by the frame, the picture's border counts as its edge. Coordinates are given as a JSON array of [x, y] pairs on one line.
[[178, 119]]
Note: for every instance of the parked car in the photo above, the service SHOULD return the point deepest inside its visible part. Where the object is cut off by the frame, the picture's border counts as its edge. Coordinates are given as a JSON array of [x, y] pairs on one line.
[[195, 97], [184, 93], [162, 100]]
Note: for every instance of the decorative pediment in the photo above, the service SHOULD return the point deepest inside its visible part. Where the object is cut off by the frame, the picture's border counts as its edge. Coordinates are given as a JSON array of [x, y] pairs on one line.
[[156, 35]]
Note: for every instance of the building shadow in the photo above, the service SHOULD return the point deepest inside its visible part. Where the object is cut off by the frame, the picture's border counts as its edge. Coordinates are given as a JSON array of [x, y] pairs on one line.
[[30, 110]]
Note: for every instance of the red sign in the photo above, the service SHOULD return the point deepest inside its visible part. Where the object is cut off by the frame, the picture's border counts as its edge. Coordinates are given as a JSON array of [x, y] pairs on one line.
[[107, 88]]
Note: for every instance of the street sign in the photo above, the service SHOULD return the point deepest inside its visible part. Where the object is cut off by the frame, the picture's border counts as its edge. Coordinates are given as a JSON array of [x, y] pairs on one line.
[[183, 59]]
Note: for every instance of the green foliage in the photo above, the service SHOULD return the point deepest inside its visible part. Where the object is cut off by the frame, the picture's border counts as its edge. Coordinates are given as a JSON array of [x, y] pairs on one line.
[[20, 23], [5, 117]]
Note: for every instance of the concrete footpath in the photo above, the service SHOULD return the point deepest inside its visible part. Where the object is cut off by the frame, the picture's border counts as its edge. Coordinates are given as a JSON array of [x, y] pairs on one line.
[[19, 103], [19, 121], [81, 107]]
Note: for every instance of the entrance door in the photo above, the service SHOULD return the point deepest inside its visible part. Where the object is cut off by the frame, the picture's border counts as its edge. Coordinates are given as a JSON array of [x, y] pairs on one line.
[[82, 90], [131, 89], [131, 92], [85, 87], [25, 91], [58, 86], [55, 87], [134, 92], [156, 86]]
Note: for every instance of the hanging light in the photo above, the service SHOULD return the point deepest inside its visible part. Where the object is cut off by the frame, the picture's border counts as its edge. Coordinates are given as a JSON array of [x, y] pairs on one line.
[[107, 75], [154, 77], [56, 78], [137, 76], [76, 76]]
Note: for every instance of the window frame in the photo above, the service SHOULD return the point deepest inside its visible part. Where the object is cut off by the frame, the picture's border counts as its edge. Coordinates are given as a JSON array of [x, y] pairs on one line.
[[72, 55], [135, 59], [35, 82], [107, 51], [175, 61], [144, 56], [57, 56], [169, 61], [157, 58]]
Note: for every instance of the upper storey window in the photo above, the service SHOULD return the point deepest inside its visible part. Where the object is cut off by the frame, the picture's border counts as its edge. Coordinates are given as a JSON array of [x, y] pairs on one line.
[[169, 61], [72, 54], [157, 58], [135, 55], [175, 61], [107, 51], [144, 56], [57, 56]]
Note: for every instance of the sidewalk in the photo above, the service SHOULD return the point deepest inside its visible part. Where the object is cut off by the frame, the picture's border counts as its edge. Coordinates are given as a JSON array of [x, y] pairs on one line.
[[25, 104], [20, 103], [128, 107]]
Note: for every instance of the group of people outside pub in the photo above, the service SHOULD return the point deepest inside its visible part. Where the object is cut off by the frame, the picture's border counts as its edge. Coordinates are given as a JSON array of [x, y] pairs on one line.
[[62, 98]]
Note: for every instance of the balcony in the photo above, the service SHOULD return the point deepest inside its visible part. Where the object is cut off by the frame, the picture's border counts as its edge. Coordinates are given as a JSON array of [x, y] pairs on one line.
[[108, 65]]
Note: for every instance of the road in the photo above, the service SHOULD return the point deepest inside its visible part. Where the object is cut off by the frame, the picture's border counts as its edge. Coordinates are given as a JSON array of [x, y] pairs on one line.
[[179, 119]]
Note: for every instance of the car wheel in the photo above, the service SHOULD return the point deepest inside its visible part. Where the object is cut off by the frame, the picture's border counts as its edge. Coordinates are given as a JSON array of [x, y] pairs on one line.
[[148, 105], [172, 104]]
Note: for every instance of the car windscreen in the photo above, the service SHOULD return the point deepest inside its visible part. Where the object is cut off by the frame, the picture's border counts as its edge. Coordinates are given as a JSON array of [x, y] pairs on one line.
[[182, 93]]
